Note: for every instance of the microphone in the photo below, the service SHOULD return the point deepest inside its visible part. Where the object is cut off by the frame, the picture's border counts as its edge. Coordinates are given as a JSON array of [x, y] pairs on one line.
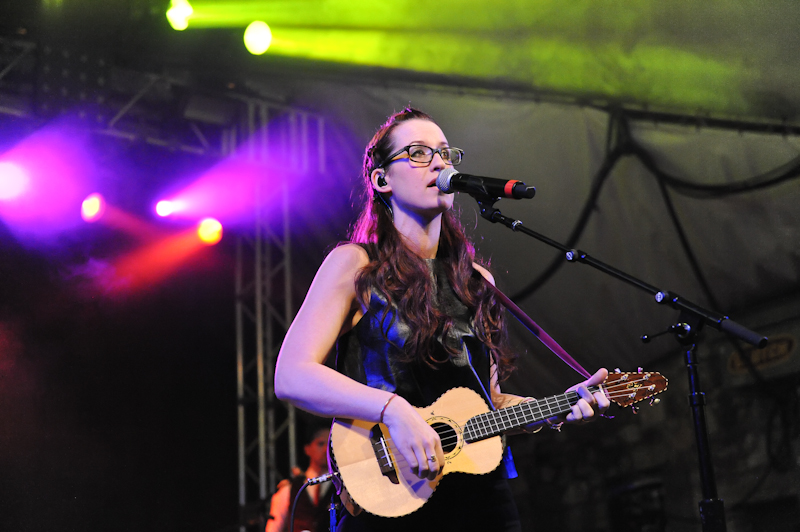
[[450, 180]]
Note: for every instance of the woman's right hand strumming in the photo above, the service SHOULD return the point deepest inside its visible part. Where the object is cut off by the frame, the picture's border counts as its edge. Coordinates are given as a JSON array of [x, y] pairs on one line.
[[419, 444]]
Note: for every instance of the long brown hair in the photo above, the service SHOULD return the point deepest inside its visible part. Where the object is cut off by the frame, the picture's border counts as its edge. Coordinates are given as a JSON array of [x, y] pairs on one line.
[[403, 278]]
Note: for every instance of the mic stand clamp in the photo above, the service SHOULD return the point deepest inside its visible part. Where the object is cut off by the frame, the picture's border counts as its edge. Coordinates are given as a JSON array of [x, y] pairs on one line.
[[486, 206], [680, 329]]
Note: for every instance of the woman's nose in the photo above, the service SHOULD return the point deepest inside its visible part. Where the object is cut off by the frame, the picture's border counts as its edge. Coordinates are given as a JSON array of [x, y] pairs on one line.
[[437, 163]]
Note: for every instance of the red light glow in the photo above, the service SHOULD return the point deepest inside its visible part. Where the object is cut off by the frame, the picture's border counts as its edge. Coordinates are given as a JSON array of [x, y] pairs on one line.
[[155, 261]]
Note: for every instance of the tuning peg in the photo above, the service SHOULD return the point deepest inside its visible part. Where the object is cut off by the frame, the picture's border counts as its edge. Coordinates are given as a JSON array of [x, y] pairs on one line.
[[634, 409], [640, 370], [654, 401], [617, 370]]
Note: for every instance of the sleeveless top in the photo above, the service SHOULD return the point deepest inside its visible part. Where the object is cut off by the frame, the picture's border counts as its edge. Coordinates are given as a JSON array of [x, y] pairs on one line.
[[368, 353], [365, 355]]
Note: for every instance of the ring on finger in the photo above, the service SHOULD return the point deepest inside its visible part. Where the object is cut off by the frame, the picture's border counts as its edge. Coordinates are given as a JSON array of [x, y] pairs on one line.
[[432, 458]]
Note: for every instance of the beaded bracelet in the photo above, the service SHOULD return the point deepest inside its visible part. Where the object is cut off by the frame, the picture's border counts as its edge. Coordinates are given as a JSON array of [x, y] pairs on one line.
[[383, 411]]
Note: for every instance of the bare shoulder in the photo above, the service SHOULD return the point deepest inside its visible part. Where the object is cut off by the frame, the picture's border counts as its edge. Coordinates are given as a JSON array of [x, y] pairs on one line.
[[332, 297], [331, 300], [345, 261], [483, 271]]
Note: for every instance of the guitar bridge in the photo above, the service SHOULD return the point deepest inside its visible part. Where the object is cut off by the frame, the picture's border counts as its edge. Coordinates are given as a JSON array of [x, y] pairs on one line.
[[382, 454]]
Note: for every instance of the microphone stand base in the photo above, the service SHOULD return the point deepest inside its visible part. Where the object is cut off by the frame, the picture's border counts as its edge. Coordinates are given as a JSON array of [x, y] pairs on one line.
[[712, 515]]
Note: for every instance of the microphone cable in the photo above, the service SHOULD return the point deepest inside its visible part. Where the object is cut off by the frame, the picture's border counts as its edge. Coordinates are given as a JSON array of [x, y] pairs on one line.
[[316, 480]]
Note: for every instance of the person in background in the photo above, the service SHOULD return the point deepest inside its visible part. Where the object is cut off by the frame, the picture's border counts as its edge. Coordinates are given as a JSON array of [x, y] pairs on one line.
[[311, 513]]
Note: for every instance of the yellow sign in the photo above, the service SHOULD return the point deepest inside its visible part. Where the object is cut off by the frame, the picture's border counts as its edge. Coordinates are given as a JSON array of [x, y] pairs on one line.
[[778, 351]]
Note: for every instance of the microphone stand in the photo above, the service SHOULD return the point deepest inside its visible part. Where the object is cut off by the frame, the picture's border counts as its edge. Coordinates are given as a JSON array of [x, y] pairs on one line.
[[691, 320]]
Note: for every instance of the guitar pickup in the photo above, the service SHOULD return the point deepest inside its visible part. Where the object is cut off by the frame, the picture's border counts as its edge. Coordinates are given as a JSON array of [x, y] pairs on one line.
[[382, 454]]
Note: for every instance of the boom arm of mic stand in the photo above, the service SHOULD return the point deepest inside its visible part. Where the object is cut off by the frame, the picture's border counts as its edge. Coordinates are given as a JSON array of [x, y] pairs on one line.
[[693, 317], [663, 297]]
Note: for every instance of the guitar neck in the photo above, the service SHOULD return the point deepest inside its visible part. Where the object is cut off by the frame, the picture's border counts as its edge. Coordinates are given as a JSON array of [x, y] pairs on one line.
[[497, 422]]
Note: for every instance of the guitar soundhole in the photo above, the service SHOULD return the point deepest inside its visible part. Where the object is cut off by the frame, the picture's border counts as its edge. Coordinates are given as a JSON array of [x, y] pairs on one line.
[[448, 436]]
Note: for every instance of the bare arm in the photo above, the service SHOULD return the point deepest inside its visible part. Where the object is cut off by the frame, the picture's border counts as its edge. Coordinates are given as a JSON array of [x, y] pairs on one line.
[[301, 378], [278, 509], [329, 309]]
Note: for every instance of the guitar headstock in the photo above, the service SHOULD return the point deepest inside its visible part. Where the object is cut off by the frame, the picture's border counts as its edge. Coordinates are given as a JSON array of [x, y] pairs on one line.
[[627, 388]]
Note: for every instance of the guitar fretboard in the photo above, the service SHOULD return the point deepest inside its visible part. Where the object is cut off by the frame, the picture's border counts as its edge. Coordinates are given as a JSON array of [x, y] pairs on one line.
[[493, 423]]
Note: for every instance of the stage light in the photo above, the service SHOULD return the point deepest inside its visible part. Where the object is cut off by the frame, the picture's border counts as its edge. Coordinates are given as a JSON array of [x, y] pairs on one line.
[[257, 37], [93, 207], [43, 180], [209, 231], [225, 192], [165, 207], [179, 13], [13, 181]]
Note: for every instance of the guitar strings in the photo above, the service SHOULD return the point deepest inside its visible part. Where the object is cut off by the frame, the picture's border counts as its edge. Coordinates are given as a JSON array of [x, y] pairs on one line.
[[560, 402]]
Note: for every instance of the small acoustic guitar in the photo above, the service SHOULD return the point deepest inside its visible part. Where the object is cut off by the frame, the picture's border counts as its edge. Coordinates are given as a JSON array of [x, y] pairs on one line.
[[379, 480]]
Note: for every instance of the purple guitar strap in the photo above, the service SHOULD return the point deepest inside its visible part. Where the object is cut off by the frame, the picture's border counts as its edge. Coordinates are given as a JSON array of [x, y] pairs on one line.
[[538, 332]]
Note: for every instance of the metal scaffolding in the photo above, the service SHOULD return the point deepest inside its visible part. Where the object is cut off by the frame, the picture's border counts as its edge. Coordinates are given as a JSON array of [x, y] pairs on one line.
[[264, 309]]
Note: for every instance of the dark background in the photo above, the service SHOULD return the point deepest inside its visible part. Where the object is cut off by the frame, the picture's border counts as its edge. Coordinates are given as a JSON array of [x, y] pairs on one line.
[[120, 410]]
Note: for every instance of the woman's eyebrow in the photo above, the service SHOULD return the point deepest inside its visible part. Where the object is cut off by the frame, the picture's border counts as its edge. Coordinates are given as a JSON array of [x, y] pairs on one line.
[[422, 142]]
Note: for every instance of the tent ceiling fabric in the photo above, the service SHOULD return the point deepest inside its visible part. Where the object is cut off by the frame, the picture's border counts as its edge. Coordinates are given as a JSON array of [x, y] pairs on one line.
[[746, 244], [734, 58]]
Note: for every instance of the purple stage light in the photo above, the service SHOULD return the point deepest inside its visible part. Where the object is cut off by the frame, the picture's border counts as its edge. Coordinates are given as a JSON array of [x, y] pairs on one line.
[[44, 181], [165, 208], [228, 192]]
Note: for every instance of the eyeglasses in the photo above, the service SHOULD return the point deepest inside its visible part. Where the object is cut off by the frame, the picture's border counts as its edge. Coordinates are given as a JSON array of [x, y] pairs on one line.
[[419, 153]]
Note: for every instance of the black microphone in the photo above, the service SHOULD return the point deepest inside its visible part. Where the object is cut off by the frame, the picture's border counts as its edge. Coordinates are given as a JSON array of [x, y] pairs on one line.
[[451, 180]]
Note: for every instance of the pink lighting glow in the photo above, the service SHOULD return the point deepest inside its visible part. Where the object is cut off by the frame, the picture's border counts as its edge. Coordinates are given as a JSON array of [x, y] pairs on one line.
[[44, 183], [228, 192], [13, 181]]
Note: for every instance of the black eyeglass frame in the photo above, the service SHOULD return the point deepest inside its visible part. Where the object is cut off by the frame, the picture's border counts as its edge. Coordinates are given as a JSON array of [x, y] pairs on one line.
[[434, 151]]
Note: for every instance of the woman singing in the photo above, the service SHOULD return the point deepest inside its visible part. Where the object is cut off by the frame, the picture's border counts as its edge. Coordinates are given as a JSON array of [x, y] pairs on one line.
[[411, 317]]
